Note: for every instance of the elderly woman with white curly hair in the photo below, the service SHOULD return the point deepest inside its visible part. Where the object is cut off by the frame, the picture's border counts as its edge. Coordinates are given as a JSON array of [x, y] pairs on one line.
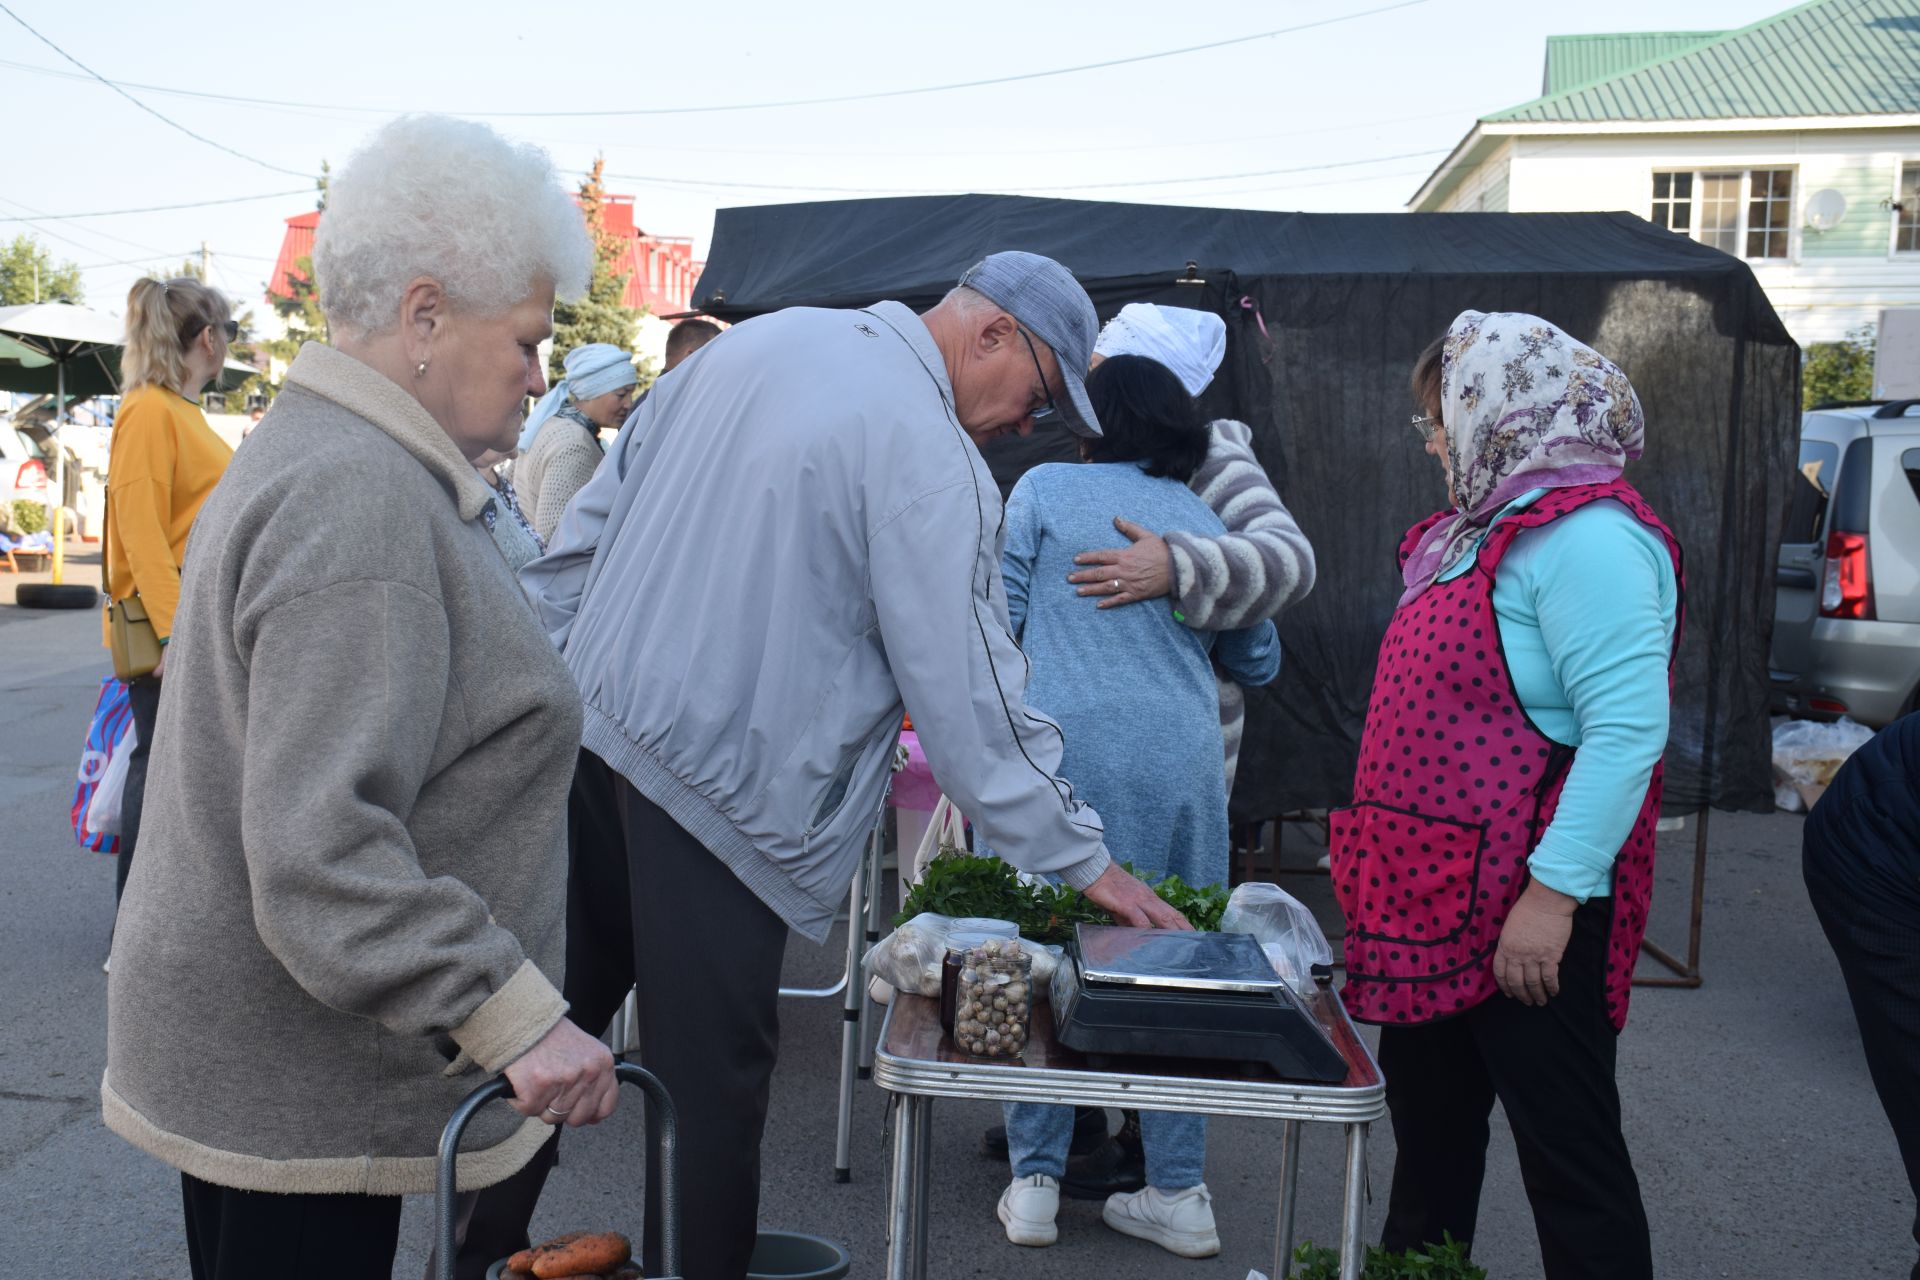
[[349, 907]]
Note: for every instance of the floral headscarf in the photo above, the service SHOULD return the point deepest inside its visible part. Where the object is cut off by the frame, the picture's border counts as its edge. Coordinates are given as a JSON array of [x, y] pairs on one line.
[[1526, 407]]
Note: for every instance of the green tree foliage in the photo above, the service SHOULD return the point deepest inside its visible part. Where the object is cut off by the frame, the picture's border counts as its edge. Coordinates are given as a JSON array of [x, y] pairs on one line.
[[25, 264], [600, 316], [305, 321], [1839, 370], [1446, 1261]]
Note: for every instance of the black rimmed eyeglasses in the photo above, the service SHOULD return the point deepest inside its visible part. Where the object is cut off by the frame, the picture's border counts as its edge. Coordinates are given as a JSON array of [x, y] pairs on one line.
[[1050, 410], [232, 329]]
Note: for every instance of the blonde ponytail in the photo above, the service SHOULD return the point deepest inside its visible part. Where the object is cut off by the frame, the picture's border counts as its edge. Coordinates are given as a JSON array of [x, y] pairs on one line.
[[164, 319]]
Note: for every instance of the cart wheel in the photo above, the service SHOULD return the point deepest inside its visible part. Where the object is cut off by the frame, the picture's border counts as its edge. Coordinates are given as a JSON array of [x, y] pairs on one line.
[[55, 595]]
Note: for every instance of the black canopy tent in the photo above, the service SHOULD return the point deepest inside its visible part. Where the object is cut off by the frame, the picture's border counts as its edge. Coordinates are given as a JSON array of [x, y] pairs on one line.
[[1325, 314]]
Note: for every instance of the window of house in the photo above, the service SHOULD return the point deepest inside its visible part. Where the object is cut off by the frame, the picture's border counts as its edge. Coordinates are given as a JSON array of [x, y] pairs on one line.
[[1745, 212], [1673, 201], [1769, 212], [1907, 225]]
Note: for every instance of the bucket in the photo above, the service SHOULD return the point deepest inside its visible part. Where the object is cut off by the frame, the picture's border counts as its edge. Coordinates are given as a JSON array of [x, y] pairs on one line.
[[788, 1255]]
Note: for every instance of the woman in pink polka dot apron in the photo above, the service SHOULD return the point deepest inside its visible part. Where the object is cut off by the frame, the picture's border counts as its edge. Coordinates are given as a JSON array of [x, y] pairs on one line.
[[1490, 931]]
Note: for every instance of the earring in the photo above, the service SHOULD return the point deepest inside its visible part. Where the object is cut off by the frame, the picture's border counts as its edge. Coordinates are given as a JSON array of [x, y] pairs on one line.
[[421, 370]]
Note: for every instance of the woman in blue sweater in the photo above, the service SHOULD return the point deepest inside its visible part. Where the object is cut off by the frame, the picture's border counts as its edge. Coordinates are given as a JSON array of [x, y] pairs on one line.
[[1133, 691]]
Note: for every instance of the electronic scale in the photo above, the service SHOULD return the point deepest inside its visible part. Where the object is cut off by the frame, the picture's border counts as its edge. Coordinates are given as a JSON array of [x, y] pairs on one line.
[[1169, 993]]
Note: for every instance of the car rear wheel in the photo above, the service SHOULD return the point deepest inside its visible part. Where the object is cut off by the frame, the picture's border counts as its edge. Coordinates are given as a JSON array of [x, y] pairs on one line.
[[55, 595]]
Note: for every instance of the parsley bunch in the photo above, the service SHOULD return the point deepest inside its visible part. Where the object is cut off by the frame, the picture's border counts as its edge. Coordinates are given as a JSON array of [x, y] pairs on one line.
[[970, 886]]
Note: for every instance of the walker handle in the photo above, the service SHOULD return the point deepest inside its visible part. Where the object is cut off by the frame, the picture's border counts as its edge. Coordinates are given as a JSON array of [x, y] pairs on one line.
[[668, 1138]]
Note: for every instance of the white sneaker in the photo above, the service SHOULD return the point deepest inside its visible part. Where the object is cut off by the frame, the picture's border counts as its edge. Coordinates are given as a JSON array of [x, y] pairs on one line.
[[1028, 1208], [1180, 1223]]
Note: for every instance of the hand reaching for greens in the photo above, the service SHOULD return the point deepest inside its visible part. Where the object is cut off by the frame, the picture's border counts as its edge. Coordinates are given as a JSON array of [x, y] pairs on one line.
[[1130, 902]]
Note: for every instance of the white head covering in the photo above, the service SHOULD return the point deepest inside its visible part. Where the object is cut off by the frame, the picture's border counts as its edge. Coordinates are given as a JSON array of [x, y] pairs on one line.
[[593, 369], [1191, 343]]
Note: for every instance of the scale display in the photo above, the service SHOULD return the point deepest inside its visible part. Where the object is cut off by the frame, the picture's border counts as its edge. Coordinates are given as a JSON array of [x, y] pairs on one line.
[[1183, 959], [1161, 993]]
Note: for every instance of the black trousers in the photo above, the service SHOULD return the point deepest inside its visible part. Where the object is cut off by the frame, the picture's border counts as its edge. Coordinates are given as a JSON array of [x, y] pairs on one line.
[[1552, 1069], [144, 696], [245, 1235], [648, 905], [1875, 934]]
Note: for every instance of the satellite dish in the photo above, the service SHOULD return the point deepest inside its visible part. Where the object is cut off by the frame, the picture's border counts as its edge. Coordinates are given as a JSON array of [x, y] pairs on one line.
[[1825, 208]]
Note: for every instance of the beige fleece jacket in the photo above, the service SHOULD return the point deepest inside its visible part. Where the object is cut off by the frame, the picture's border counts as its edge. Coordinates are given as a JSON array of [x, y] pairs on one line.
[[559, 462], [350, 901]]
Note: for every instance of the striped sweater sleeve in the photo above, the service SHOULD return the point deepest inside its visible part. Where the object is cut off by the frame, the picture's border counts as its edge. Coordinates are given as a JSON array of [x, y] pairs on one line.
[[1261, 565]]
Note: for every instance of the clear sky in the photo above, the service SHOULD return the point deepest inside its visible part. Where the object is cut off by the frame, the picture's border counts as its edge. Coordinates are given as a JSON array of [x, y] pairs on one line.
[[1358, 111]]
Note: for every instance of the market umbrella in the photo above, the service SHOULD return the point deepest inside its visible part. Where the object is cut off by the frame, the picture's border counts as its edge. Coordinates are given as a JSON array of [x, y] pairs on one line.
[[70, 351], [77, 341], [17, 356]]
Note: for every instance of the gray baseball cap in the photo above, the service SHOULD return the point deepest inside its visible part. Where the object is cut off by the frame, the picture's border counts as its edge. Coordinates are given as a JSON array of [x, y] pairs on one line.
[[1044, 297]]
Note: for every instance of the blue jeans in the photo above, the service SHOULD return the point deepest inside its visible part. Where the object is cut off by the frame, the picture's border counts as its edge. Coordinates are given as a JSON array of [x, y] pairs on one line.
[[1039, 1133]]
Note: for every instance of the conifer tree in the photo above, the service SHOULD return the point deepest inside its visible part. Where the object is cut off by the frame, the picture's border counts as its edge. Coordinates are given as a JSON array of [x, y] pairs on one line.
[[601, 316]]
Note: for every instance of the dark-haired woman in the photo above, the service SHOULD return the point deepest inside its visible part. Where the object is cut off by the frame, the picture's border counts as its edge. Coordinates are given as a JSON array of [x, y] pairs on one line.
[[1134, 693]]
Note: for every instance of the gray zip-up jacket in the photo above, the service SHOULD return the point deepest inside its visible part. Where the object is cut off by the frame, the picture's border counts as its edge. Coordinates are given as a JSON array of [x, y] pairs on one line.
[[790, 539]]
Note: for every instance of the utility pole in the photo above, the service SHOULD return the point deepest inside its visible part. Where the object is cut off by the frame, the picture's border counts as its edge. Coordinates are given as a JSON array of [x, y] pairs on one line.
[[205, 274], [36, 279]]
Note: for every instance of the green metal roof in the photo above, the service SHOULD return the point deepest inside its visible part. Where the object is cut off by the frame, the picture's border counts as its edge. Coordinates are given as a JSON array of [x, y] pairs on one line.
[[1824, 58], [1573, 62]]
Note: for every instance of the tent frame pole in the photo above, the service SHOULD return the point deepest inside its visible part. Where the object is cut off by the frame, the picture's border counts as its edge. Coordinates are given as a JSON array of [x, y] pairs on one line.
[[1687, 974], [56, 518]]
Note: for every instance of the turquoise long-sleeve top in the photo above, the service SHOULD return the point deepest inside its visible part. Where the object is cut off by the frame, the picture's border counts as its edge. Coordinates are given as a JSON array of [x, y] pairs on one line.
[[1587, 607]]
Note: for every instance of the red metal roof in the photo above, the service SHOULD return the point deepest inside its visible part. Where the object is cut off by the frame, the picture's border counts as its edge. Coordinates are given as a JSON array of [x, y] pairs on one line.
[[660, 270]]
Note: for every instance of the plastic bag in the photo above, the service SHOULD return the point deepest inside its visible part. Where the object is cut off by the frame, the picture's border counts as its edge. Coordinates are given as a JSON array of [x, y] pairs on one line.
[[1284, 927], [1806, 755], [108, 739], [909, 958], [1809, 752], [103, 810], [1046, 958], [946, 831]]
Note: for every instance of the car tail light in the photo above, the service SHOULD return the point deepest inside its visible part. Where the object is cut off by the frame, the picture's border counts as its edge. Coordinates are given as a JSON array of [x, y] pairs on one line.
[[1848, 592], [1827, 705], [31, 475]]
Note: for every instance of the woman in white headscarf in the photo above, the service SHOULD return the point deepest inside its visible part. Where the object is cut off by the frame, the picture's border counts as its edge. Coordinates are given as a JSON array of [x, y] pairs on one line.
[[560, 446]]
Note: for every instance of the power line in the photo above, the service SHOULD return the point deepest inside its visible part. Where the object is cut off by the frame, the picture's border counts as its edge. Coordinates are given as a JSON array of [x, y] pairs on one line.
[[651, 146], [218, 146], [722, 184], [83, 246], [750, 106], [1297, 186], [162, 208], [144, 259]]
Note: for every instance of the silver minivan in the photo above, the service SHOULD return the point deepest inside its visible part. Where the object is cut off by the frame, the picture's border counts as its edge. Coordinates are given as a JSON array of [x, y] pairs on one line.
[[1846, 621]]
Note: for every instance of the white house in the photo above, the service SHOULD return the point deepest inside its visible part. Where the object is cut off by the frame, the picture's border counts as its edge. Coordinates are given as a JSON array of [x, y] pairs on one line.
[[1793, 143]]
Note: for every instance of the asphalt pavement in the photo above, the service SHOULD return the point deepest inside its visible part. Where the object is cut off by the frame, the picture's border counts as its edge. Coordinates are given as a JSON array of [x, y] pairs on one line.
[[1762, 1150]]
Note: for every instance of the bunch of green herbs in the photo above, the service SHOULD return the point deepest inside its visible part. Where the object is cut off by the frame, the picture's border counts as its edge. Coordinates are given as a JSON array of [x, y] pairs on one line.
[[1448, 1261], [963, 885]]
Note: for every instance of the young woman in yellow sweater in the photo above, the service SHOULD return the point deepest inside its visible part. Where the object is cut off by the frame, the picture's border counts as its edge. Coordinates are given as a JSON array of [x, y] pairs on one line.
[[165, 461]]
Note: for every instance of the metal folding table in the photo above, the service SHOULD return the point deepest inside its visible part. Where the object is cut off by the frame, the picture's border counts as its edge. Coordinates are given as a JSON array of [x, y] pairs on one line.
[[917, 1061]]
